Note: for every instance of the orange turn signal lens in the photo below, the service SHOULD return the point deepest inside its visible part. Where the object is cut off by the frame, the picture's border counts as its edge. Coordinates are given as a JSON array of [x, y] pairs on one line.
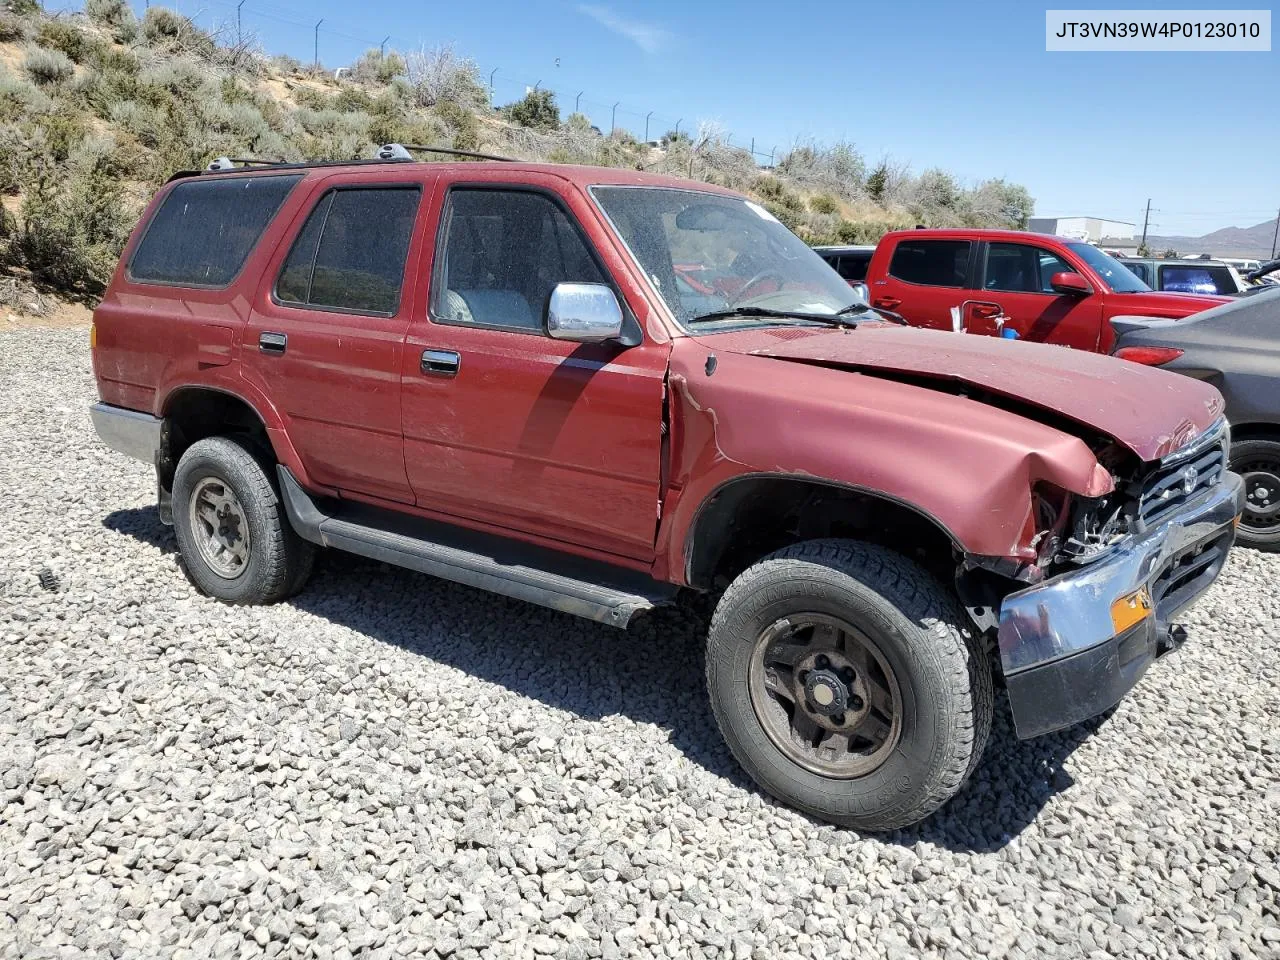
[[1131, 609], [93, 336]]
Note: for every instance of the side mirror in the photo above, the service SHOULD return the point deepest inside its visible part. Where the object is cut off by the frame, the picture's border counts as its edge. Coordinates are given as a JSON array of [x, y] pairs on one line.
[[584, 312], [1071, 284], [860, 291]]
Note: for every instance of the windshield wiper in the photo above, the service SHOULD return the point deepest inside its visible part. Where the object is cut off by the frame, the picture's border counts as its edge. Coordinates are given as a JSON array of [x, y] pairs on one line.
[[830, 319], [858, 307]]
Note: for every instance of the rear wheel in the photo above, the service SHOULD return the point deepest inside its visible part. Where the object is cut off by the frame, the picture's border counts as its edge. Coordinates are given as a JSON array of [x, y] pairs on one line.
[[845, 681], [1258, 463], [236, 542]]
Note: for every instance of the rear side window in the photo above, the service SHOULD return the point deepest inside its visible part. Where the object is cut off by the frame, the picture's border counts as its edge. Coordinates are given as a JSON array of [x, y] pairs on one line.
[[853, 267], [1180, 279], [350, 254], [205, 229], [934, 263]]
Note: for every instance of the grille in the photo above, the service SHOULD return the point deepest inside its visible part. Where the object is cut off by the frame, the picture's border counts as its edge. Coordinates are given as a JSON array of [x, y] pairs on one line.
[[1183, 476], [1187, 576]]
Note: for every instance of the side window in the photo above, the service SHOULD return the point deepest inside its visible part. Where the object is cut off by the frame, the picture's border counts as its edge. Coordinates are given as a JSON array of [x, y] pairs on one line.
[[502, 254], [1019, 268], [1180, 279], [350, 254], [205, 229], [853, 267], [935, 263], [1140, 271]]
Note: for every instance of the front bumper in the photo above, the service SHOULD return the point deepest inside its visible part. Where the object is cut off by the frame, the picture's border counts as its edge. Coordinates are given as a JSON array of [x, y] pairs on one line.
[[1064, 660]]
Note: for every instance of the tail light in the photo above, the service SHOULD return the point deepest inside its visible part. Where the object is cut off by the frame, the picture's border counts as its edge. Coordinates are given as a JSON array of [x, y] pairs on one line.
[[1149, 356]]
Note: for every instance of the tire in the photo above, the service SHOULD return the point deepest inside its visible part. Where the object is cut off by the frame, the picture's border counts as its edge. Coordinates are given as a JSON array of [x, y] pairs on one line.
[[939, 669], [1258, 462], [222, 474]]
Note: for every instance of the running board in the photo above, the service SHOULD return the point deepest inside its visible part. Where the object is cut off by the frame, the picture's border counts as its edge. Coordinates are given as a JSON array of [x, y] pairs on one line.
[[597, 591]]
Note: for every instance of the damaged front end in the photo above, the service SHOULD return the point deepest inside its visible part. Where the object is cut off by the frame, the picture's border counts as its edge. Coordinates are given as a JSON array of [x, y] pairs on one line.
[[1084, 622]]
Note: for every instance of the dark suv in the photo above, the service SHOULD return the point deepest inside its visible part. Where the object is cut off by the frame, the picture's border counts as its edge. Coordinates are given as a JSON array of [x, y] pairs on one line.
[[594, 388]]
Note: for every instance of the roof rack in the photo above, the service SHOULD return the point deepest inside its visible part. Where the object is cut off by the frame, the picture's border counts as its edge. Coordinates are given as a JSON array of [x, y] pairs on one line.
[[400, 151], [387, 153]]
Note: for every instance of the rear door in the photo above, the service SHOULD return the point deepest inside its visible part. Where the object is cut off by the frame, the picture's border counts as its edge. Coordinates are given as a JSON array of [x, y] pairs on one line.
[[927, 280], [326, 334], [1017, 296]]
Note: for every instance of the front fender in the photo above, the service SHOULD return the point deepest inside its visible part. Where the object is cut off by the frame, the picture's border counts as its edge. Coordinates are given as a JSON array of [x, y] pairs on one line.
[[968, 466]]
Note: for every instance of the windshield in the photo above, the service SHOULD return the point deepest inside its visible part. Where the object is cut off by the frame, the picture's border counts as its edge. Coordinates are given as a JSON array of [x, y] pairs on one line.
[[706, 253], [1117, 276]]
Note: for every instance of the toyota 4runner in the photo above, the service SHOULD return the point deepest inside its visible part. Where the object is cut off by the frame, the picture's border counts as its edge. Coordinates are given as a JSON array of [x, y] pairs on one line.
[[501, 374]]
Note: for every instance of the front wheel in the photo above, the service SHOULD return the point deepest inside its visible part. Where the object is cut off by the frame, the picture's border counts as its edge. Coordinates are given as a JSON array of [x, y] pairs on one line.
[[847, 684], [1258, 463]]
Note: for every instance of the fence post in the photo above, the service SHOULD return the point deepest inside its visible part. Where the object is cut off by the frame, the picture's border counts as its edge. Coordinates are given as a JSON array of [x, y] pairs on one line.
[[678, 122], [317, 47], [491, 73], [577, 100], [382, 47], [613, 119], [239, 32], [646, 125]]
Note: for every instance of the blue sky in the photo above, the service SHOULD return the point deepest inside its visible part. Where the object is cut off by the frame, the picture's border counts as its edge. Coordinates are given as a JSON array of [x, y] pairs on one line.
[[967, 87]]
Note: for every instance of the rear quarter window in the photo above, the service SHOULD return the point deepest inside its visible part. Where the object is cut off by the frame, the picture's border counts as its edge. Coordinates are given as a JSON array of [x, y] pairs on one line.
[[205, 230], [934, 263]]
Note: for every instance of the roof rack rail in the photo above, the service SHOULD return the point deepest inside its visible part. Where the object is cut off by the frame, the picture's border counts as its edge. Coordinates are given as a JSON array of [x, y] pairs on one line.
[[400, 151], [230, 163]]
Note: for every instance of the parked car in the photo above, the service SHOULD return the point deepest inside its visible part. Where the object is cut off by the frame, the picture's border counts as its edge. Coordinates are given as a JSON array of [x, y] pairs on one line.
[[1011, 283], [850, 262], [491, 372], [1236, 347], [1187, 276]]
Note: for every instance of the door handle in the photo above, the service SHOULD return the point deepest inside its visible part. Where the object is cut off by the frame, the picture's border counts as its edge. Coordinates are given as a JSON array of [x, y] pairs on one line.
[[889, 303], [272, 342], [440, 363], [986, 311]]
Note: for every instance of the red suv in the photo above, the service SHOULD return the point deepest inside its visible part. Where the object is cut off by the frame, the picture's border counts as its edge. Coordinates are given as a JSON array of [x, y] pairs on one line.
[[1010, 283], [594, 388]]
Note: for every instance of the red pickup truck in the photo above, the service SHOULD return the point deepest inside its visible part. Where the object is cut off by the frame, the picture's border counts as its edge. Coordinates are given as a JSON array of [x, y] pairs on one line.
[[595, 389], [1008, 282]]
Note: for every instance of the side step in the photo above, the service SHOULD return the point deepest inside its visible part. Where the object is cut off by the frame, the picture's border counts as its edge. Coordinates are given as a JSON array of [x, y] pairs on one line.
[[597, 591]]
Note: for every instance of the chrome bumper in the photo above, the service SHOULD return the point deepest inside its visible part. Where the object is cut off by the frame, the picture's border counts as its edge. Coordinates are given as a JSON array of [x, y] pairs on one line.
[[1063, 659], [129, 432]]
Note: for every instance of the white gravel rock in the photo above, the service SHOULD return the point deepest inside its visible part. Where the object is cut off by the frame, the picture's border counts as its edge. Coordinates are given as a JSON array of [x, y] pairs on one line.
[[392, 765]]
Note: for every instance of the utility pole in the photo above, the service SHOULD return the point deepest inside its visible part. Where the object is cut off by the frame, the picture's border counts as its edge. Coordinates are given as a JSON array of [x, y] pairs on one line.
[[1145, 220], [1275, 236], [317, 46]]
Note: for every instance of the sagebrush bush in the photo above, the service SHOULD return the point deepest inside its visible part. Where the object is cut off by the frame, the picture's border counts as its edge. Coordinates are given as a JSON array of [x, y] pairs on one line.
[[537, 110], [375, 67], [11, 28], [823, 203], [21, 99], [68, 38], [169, 30], [461, 123], [108, 13], [73, 222], [48, 67]]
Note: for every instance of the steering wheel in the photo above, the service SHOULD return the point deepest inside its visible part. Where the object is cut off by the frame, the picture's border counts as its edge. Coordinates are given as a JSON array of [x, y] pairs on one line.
[[765, 274]]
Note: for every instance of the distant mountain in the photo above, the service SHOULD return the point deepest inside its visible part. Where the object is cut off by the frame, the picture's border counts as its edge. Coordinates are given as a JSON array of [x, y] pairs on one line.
[[1252, 241]]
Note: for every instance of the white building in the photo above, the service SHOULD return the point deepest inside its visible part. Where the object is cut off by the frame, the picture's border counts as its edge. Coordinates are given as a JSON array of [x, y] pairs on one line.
[[1090, 229]]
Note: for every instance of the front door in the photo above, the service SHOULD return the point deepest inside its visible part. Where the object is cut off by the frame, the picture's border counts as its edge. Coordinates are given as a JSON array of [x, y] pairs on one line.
[[1017, 296], [507, 426], [325, 338]]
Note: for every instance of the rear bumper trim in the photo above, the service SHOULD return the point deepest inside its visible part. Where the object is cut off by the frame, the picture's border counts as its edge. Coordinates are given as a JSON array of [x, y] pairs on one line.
[[130, 432]]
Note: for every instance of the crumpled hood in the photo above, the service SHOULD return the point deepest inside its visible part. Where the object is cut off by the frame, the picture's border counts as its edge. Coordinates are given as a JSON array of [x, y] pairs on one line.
[[1150, 411]]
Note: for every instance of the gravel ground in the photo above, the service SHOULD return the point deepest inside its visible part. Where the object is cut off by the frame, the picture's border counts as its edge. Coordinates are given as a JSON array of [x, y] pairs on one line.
[[393, 765]]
